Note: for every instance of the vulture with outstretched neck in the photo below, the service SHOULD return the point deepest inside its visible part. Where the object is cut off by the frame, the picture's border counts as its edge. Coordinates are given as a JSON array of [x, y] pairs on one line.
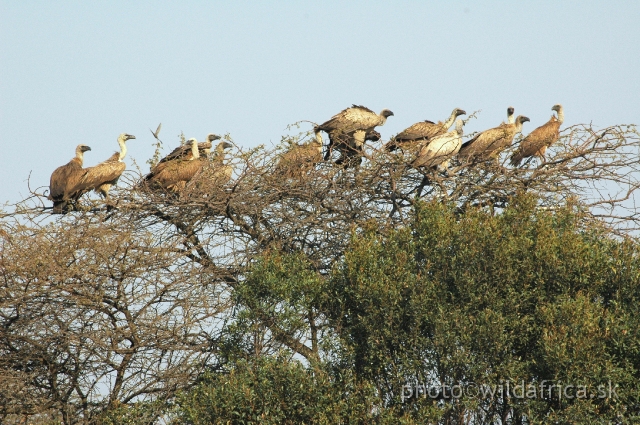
[[511, 118], [349, 129], [173, 174], [185, 150], [106, 174], [64, 178], [440, 149], [488, 144], [537, 142], [221, 172], [421, 131], [299, 160]]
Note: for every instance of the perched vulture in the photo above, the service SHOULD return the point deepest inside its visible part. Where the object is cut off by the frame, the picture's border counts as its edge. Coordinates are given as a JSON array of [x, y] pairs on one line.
[[172, 174], [64, 178], [349, 129], [423, 130], [511, 119], [537, 142], [300, 159], [221, 172], [185, 150], [353, 156], [106, 174], [488, 144], [440, 149]]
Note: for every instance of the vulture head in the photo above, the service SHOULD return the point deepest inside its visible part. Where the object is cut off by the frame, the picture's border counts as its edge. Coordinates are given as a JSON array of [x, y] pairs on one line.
[[510, 110], [211, 137], [521, 119], [457, 112], [386, 113], [124, 137], [82, 148], [223, 145], [557, 108]]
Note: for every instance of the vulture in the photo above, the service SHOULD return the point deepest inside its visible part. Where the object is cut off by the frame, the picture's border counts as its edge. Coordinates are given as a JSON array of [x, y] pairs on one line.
[[221, 172], [106, 174], [511, 119], [423, 130], [299, 159], [185, 150], [349, 129], [353, 156], [488, 144], [64, 178], [174, 171], [537, 142], [440, 149]]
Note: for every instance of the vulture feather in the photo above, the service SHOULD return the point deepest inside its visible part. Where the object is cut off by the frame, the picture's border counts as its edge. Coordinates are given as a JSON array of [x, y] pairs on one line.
[[537, 142], [423, 130], [65, 178], [440, 149], [489, 143], [106, 174], [300, 159], [350, 129]]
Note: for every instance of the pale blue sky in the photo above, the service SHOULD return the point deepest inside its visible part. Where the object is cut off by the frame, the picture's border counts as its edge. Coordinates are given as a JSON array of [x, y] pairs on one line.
[[84, 72]]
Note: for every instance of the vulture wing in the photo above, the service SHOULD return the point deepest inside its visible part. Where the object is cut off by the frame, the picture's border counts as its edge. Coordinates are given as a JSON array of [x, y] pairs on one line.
[[107, 172], [351, 119], [489, 143], [63, 177], [537, 142], [182, 152], [440, 149], [421, 130]]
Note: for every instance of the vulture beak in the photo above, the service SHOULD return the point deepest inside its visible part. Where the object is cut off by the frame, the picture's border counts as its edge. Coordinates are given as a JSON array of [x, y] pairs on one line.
[[130, 136], [226, 145], [86, 148], [461, 112], [213, 137], [524, 119]]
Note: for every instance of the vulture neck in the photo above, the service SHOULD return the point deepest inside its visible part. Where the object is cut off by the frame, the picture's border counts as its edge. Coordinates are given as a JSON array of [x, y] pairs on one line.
[[448, 123], [219, 153], [383, 119], [459, 127], [123, 149], [561, 115], [518, 126], [195, 152], [79, 156]]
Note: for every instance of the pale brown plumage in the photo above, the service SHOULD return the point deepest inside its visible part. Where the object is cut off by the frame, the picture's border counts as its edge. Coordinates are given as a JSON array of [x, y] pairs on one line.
[[173, 174], [436, 152], [64, 178], [349, 129], [220, 172], [488, 144], [421, 131], [185, 150], [299, 160], [106, 174], [537, 142]]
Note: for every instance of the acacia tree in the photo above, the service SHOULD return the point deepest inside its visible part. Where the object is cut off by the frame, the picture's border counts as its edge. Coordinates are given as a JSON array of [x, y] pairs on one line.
[[101, 310]]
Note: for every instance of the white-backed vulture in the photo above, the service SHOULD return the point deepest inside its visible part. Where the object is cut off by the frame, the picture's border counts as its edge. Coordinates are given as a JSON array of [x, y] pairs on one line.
[[185, 150], [64, 178], [537, 142], [299, 160], [488, 144], [221, 172], [351, 153], [511, 118], [421, 131], [440, 149], [106, 174], [348, 130], [174, 174]]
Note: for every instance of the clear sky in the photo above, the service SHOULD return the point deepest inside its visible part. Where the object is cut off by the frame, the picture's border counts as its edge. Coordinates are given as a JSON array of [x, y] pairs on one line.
[[83, 72]]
